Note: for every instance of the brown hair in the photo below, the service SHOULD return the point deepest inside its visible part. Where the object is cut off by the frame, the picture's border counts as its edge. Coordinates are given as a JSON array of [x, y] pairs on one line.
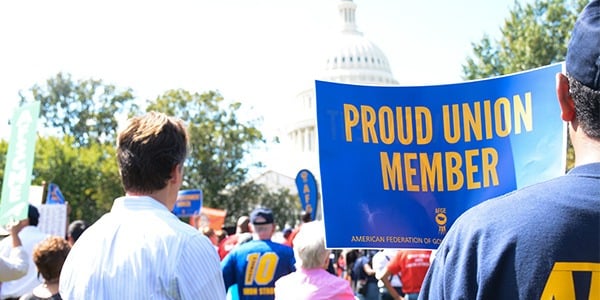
[[148, 149], [208, 232], [49, 256]]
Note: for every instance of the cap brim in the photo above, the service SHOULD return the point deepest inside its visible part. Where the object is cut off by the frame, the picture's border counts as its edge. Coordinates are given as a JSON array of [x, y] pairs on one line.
[[262, 223]]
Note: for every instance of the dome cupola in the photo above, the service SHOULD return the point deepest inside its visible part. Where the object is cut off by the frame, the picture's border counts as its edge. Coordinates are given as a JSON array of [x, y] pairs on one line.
[[352, 58]]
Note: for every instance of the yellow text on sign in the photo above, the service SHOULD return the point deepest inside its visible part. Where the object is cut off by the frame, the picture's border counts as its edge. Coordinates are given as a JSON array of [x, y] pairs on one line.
[[438, 171]]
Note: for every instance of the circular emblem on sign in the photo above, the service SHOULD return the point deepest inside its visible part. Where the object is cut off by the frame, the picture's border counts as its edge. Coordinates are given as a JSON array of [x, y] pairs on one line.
[[441, 219]]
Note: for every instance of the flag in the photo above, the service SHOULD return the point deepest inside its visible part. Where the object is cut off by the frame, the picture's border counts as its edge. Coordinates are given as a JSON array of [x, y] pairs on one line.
[[19, 163], [54, 195], [307, 191]]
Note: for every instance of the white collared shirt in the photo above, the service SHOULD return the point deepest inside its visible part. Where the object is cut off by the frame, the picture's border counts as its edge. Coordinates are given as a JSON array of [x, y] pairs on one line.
[[140, 250], [30, 236], [15, 265]]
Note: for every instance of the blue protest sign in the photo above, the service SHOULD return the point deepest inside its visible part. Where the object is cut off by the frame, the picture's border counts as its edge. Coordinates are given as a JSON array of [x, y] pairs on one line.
[[307, 191], [54, 196], [189, 203], [400, 164]]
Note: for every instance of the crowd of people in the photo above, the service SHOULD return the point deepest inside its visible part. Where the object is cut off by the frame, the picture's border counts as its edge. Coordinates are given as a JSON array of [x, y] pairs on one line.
[[548, 248], [31, 261], [276, 270], [255, 266]]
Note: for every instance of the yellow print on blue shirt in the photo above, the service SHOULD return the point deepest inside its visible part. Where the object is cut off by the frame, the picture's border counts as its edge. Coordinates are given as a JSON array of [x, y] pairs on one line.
[[560, 284], [260, 271]]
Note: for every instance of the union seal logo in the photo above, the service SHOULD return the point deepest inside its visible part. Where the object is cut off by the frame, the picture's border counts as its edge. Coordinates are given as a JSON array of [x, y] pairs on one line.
[[441, 219]]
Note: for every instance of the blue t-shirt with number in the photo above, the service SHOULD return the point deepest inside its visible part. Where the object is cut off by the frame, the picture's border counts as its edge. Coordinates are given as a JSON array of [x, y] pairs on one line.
[[255, 266]]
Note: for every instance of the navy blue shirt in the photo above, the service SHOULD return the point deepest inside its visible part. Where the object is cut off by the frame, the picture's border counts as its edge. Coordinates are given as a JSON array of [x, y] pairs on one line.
[[539, 241]]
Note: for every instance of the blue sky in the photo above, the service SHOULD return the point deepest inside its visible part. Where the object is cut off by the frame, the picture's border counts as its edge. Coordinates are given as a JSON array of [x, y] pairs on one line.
[[259, 52]]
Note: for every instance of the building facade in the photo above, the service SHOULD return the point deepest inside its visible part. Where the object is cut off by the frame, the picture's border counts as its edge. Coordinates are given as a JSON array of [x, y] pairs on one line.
[[351, 58]]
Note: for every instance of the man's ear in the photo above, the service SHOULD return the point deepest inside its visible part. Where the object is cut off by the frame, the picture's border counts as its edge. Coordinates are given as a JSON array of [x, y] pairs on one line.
[[567, 106], [176, 173]]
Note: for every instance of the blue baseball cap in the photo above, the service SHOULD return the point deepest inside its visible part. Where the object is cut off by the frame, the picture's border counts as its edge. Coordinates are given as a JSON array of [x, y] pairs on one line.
[[265, 213], [583, 52]]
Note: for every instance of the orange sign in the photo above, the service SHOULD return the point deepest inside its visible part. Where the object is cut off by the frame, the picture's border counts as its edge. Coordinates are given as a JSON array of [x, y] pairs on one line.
[[212, 217]]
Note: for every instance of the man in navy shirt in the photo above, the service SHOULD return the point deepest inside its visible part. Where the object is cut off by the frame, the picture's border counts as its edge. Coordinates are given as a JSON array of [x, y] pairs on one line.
[[542, 241], [255, 265]]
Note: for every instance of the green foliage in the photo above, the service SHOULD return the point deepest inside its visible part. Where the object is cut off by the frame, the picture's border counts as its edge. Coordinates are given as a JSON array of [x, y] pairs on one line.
[[79, 155], [3, 152], [219, 145], [286, 207], [87, 110], [532, 36], [242, 199], [81, 119], [87, 176]]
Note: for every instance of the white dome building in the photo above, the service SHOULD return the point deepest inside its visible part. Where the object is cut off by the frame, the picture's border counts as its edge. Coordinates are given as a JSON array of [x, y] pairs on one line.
[[352, 58]]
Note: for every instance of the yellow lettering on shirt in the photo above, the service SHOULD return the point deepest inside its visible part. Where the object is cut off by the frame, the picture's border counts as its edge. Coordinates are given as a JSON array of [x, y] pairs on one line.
[[266, 291], [250, 291], [560, 284]]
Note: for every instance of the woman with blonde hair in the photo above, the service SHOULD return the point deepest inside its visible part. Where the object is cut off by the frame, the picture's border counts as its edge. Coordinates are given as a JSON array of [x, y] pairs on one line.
[[311, 280]]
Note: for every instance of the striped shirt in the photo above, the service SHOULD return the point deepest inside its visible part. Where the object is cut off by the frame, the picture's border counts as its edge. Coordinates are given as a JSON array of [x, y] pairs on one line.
[[140, 250]]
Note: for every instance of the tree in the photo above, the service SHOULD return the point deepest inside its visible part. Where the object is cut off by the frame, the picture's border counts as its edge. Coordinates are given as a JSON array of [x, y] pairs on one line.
[[81, 157], [3, 152], [80, 121], [285, 206], [242, 199], [219, 144], [87, 176], [532, 36], [87, 110]]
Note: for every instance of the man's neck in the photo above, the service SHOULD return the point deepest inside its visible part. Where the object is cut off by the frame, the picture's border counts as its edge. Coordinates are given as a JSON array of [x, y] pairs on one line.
[[587, 150], [159, 196]]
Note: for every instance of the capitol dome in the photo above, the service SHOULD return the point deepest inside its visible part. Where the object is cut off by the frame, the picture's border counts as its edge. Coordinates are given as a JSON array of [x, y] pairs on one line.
[[352, 57], [349, 58]]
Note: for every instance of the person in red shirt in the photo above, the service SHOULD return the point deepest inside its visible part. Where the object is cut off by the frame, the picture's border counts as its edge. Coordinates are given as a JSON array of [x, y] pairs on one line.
[[305, 217], [411, 266], [242, 234]]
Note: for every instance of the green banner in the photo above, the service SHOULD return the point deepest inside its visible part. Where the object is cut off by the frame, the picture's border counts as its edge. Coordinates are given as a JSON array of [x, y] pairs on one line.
[[19, 164]]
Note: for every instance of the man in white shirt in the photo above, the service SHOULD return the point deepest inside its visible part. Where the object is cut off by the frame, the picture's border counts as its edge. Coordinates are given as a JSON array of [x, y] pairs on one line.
[[30, 235], [380, 262], [140, 250], [14, 266]]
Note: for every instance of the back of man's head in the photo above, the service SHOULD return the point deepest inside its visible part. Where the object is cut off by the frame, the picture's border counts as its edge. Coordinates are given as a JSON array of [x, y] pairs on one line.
[[306, 217], [76, 228], [33, 215], [242, 224], [583, 69], [262, 223], [148, 149]]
